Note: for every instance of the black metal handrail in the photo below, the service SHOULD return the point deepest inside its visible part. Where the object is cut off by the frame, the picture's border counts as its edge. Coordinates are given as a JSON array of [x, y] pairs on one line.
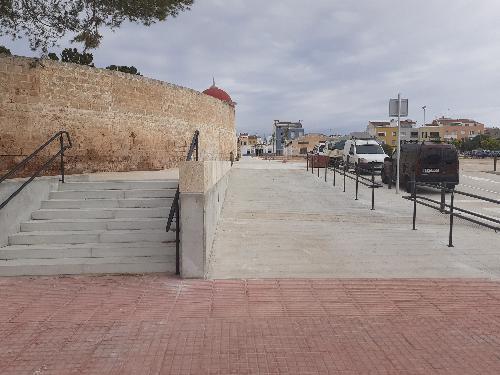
[[174, 209], [59, 135], [449, 209]]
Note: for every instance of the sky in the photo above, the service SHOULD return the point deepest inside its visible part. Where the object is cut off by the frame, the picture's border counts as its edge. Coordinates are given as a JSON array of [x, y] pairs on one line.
[[332, 64]]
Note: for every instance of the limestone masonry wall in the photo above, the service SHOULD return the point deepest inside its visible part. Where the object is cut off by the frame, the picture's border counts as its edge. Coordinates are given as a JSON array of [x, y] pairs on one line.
[[117, 121]]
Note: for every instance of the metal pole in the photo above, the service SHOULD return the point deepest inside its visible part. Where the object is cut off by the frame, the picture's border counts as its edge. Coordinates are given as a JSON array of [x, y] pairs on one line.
[[61, 142], [495, 163], [391, 172], [334, 171], [373, 187], [307, 162], [344, 176], [450, 243], [312, 164], [318, 163], [177, 239], [414, 194], [197, 143], [399, 142], [443, 198], [357, 181]]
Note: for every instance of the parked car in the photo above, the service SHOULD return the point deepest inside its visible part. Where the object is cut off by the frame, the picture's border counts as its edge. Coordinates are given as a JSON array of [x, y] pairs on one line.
[[336, 150], [432, 163], [364, 153]]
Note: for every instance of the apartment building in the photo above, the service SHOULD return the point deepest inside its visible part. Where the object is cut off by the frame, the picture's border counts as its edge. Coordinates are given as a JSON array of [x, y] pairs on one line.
[[447, 129], [387, 131]]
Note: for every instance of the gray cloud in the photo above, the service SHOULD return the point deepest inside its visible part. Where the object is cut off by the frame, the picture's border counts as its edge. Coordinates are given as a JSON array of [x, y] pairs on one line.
[[332, 64]]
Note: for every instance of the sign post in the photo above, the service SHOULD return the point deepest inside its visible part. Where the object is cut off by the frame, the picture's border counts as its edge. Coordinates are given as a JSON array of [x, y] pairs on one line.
[[397, 108]]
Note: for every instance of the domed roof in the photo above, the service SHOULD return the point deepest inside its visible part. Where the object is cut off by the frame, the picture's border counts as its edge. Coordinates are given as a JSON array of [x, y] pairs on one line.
[[218, 93]]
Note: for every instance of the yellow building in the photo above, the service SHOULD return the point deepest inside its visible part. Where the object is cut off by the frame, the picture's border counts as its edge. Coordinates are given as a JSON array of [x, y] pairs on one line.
[[387, 131]]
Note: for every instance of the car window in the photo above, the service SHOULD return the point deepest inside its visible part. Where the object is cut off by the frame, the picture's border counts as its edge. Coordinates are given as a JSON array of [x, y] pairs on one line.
[[369, 149]]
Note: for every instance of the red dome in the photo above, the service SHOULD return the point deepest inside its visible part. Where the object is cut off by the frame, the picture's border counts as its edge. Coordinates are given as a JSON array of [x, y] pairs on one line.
[[217, 93]]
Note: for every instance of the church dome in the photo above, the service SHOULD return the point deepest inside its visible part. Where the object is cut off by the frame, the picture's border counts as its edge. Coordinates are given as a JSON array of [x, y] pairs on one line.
[[218, 93]]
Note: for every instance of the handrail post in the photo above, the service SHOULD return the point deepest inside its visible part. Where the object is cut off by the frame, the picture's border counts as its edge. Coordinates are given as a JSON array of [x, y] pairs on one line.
[[312, 164], [357, 181], [197, 144], [326, 169], [443, 199], [391, 171], [318, 165], [495, 163], [307, 162], [177, 239], [344, 175], [373, 186], [61, 142], [414, 196], [334, 171], [450, 243]]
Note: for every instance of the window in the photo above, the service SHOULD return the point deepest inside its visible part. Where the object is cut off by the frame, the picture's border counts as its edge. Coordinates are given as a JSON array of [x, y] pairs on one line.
[[434, 134], [393, 142], [381, 134], [369, 149], [394, 134], [303, 150], [414, 135], [471, 132]]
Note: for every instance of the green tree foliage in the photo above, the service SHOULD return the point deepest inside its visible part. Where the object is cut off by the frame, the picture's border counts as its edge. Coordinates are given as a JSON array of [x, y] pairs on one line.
[[53, 56], [72, 55], [481, 141], [4, 51], [388, 149], [124, 69], [45, 22]]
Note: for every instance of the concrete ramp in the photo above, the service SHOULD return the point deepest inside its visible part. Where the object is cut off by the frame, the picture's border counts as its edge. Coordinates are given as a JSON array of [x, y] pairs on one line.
[[279, 222]]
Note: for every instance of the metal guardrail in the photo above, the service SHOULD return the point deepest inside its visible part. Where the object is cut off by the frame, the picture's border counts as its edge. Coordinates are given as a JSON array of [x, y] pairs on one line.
[[339, 167], [174, 209], [62, 147], [450, 209]]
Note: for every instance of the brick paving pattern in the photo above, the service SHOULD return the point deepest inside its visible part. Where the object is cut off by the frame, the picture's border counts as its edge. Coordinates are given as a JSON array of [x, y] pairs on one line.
[[159, 325]]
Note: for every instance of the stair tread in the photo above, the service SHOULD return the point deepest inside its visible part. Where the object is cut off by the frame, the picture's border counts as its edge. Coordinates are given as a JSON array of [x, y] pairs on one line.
[[100, 220], [88, 245], [97, 231], [86, 260], [102, 209]]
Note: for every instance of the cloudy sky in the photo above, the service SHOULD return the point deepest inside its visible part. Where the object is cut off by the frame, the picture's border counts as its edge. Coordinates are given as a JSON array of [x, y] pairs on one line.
[[332, 64]]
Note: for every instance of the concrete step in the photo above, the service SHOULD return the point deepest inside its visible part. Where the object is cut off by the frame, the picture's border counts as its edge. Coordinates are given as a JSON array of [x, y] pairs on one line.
[[119, 185], [107, 203], [101, 213], [93, 224], [80, 237], [112, 194], [87, 250], [74, 266]]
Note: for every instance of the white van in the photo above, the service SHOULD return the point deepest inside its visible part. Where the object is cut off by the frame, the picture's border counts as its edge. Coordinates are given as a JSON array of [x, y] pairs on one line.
[[363, 152]]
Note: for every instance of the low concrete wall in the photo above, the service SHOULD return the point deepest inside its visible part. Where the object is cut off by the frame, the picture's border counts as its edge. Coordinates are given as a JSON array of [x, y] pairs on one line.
[[202, 186], [20, 208]]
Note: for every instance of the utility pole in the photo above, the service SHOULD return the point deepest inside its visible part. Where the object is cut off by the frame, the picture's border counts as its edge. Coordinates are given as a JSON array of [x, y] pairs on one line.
[[399, 143]]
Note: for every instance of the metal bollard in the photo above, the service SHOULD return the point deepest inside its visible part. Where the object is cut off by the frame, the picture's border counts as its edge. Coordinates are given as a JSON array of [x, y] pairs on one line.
[[414, 196], [357, 181], [373, 186], [61, 142], [389, 184], [326, 169], [312, 164], [450, 243], [307, 162], [318, 164], [495, 163]]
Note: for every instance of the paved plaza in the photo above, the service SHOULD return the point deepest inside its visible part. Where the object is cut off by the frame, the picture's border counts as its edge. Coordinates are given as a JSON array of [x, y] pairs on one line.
[[159, 325]]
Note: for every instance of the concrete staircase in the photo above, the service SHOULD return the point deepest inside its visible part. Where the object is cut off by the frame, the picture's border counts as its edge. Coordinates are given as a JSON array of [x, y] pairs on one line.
[[96, 227]]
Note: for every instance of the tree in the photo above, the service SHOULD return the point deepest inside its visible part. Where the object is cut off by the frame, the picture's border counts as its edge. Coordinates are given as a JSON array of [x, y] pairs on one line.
[[124, 69], [45, 22], [5, 51], [73, 56], [388, 149]]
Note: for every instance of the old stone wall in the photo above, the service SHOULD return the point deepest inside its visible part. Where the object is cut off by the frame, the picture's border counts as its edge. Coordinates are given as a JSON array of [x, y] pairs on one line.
[[117, 121]]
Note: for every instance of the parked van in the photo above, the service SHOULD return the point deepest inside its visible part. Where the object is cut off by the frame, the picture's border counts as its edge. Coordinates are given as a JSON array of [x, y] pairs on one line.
[[433, 163], [364, 153]]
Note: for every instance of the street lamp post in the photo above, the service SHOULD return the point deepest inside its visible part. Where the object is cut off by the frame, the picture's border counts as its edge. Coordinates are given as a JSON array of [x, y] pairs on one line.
[[399, 143], [424, 107]]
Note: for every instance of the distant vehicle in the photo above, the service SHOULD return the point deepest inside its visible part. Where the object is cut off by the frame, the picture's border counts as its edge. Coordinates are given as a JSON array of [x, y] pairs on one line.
[[364, 153], [480, 153], [433, 163], [336, 150]]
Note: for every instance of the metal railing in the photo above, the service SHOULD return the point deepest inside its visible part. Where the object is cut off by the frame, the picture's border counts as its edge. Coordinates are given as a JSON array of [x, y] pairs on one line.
[[62, 147], [451, 209], [174, 209], [341, 168]]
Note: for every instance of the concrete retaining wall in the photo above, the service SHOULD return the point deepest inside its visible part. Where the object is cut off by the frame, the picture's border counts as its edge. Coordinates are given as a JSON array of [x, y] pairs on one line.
[[203, 190], [20, 208]]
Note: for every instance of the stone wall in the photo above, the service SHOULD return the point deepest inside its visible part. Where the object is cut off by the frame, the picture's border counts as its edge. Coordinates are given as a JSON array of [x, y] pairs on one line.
[[117, 121]]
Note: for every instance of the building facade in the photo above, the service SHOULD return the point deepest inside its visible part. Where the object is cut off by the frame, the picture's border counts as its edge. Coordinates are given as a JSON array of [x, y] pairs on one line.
[[247, 144], [284, 132], [492, 132], [447, 130], [387, 131], [304, 144]]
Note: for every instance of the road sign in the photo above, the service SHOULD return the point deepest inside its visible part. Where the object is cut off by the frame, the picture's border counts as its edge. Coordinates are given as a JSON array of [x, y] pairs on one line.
[[393, 108]]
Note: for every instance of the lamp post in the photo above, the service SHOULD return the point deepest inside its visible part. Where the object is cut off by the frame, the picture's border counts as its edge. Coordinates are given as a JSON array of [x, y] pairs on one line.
[[399, 143], [424, 107]]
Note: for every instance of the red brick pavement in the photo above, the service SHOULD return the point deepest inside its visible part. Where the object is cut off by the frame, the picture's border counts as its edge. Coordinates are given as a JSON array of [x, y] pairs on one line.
[[160, 325]]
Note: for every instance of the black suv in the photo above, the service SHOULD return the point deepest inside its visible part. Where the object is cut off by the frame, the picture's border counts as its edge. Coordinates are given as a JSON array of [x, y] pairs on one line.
[[433, 163]]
